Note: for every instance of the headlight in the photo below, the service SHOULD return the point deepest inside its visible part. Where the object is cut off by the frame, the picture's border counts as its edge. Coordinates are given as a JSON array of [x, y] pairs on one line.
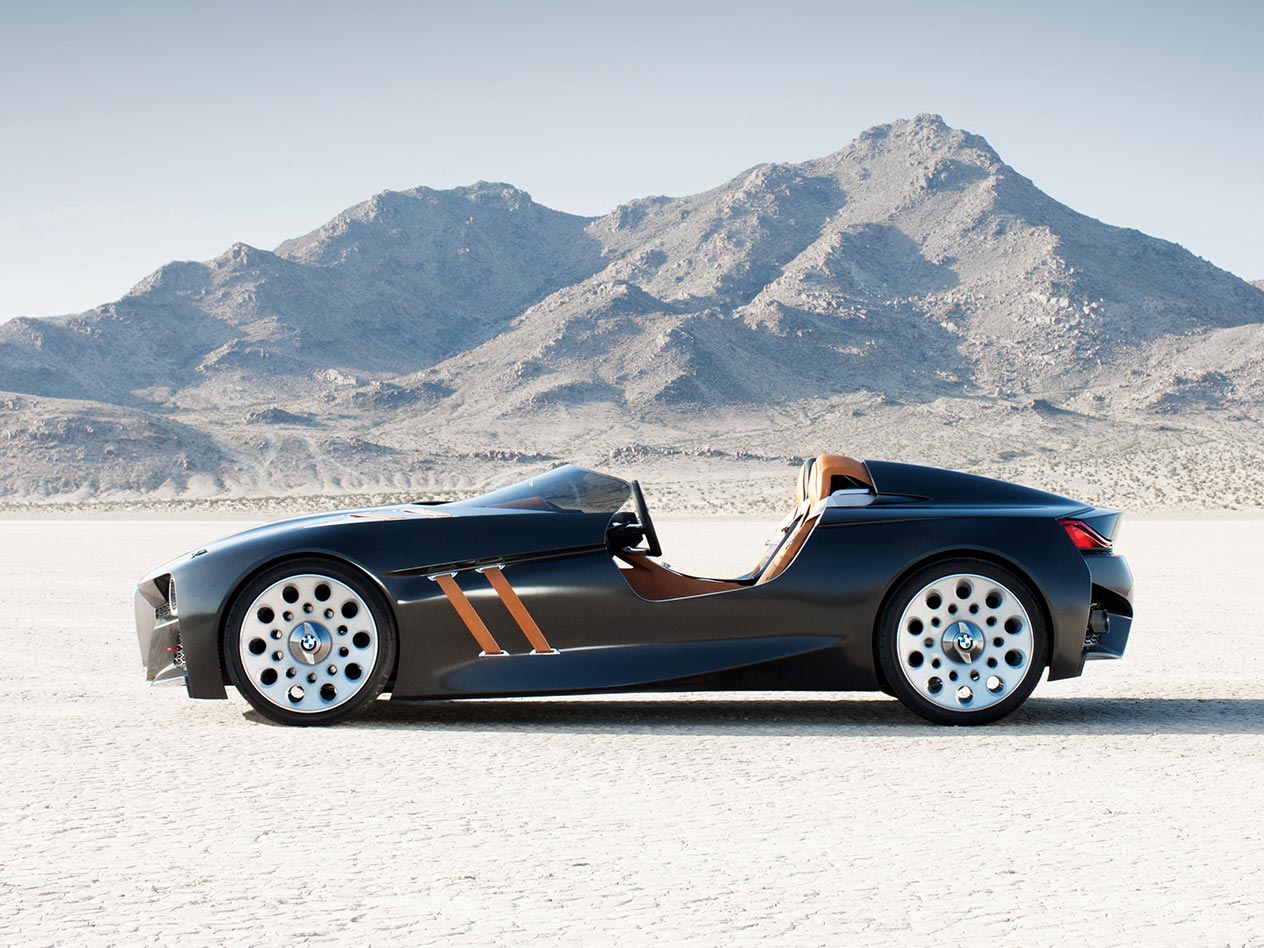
[[171, 595]]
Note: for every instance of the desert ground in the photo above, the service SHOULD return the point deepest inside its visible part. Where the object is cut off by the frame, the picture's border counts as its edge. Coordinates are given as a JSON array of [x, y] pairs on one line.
[[1120, 808]]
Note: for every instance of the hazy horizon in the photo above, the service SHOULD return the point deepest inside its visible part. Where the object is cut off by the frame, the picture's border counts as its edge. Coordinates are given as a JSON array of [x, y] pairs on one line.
[[144, 133]]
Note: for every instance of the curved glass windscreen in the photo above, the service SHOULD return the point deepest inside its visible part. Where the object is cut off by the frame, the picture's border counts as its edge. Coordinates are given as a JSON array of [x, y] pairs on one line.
[[568, 489]]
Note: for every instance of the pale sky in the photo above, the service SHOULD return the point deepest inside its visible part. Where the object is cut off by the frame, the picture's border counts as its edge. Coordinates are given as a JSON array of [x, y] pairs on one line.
[[133, 133]]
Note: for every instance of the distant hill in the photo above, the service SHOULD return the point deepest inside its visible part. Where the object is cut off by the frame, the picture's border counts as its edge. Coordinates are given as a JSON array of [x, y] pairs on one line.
[[910, 295]]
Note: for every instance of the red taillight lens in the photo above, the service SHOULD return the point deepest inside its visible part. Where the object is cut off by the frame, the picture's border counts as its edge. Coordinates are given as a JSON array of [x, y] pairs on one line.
[[1083, 536]]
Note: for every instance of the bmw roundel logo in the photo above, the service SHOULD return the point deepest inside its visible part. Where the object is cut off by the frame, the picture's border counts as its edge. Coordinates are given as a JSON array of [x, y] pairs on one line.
[[309, 641]]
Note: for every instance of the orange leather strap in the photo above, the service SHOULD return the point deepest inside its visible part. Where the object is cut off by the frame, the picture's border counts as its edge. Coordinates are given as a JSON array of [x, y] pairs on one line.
[[466, 611], [517, 609]]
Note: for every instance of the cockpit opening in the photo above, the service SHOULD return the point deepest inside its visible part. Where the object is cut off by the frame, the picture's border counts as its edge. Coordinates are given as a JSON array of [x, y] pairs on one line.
[[633, 542]]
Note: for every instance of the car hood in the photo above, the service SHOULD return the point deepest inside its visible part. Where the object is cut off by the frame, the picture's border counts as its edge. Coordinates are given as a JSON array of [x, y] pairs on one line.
[[403, 538]]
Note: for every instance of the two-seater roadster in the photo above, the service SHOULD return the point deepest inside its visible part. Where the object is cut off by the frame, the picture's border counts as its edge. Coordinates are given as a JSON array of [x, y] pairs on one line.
[[951, 591]]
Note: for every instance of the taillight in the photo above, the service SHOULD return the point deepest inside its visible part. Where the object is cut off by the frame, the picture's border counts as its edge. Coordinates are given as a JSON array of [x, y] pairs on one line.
[[1083, 536]]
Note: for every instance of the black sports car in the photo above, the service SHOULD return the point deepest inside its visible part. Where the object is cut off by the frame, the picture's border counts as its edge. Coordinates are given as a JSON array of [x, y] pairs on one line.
[[952, 592]]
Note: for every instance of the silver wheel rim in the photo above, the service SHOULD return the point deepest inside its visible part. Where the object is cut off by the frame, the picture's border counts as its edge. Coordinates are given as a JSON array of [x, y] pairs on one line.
[[308, 643], [965, 642]]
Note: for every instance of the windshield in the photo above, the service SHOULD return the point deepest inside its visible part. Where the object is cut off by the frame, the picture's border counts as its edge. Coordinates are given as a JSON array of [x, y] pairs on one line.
[[568, 489]]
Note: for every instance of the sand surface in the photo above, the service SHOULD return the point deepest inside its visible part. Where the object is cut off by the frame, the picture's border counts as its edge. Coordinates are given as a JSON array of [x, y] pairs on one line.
[[1126, 807]]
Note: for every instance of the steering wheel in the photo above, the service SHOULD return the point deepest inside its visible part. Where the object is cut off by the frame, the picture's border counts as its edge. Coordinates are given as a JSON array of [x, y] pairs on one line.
[[651, 535]]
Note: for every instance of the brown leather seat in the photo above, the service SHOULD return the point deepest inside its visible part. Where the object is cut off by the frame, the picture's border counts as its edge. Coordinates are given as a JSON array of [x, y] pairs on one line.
[[818, 478], [654, 581]]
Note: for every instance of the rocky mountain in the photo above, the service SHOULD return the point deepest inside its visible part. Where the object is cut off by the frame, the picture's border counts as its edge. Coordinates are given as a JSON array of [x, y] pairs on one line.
[[910, 295]]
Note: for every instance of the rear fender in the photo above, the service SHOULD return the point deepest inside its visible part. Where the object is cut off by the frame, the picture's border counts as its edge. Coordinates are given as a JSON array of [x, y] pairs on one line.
[[1034, 547], [974, 554]]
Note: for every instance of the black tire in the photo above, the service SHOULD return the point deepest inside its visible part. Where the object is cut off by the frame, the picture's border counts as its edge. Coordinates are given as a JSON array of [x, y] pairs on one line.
[[889, 642], [372, 681]]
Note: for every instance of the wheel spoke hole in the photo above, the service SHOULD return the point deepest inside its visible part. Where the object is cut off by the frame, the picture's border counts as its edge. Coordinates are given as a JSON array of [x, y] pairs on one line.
[[994, 599], [994, 684], [268, 677], [1013, 625], [258, 646], [964, 589], [353, 671], [295, 694], [915, 659], [350, 609], [265, 615], [1014, 658], [935, 685], [290, 594], [361, 640], [328, 691], [934, 600], [915, 627], [965, 694], [322, 592]]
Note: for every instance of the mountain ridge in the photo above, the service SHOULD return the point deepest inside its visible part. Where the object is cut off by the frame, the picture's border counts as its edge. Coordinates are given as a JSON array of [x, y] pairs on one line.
[[912, 268]]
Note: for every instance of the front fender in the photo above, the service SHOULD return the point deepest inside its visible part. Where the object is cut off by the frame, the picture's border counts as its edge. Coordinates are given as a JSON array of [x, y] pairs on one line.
[[389, 551]]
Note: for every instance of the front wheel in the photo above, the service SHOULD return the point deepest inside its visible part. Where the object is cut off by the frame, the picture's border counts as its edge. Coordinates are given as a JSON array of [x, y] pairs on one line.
[[309, 642], [962, 642]]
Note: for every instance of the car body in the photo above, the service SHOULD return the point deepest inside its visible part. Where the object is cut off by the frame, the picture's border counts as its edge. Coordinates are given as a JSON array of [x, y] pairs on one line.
[[553, 586]]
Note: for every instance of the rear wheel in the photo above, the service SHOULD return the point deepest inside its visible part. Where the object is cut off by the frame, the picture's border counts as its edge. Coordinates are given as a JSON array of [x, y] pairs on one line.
[[309, 642], [962, 642]]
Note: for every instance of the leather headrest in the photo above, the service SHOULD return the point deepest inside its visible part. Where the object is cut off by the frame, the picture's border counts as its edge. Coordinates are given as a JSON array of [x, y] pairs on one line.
[[828, 466]]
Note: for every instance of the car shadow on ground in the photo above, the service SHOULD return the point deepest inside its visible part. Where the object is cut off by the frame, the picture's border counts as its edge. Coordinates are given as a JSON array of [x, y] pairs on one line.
[[774, 716]]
